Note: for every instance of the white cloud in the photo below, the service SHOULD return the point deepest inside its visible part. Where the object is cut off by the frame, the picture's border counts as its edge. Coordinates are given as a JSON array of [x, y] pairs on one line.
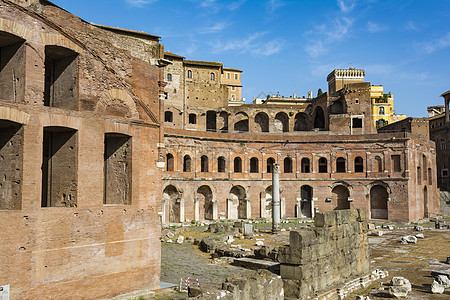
[[235, 5], [325, 34], [215, 6], [219, 26], [374, 27], [435, 45], [273, 5], [139, 3], [411, 26], [346, 7], [253, 44]]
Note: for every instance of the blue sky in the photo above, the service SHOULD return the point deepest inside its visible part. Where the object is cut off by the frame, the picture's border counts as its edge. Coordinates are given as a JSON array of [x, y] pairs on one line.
[[291, 46]]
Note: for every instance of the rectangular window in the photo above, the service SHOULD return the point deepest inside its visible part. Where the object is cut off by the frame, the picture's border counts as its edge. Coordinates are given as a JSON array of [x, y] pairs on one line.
[[117, 169], [12, 67], [59, 167], [356, 122], [11, 156], [444, 172], [396, 163], [233, 88], [228, 75], [236, 76], [233, 97], [443, 145], [61, 78]]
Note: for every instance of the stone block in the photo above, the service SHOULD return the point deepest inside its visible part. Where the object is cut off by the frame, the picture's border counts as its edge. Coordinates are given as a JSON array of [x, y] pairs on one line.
[[325, 219]]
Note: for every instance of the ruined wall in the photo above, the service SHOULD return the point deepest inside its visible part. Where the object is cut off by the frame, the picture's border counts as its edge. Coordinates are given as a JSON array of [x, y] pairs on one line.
[[58, 237], [374, 184], [326, 256]]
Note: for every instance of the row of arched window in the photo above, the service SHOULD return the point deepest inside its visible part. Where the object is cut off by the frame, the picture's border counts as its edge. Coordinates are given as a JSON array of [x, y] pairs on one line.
[[341, 164]]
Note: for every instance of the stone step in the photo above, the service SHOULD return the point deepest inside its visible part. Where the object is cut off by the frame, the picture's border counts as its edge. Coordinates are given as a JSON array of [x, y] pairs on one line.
[[256, 264]]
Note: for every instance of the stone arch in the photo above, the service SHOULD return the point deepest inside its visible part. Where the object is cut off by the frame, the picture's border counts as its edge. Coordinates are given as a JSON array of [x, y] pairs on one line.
[[173, 197], [301, 122], [205, 195], [17, 29], [223, 121], [379, 197], [120, 99], [281, 122], [319, 118], [56, 39], [238, 207], [187, 163], [340, 196], [241, 122], [262, 121]]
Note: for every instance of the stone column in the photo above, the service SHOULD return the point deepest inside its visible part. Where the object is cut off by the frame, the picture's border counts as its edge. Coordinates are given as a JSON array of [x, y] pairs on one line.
[[163, 211], [275, 198], [298, 208], [263, 207], [215, 210], [283, 208], [248, 209], [196, 209], [229, 207], [313, 209], [181, 210]]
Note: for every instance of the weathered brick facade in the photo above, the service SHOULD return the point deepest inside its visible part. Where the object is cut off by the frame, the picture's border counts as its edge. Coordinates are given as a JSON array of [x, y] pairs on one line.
[[330, 153], [79, 129]]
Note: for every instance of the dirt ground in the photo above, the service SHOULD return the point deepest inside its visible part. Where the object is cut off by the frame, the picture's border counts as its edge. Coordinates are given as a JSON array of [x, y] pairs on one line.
[[410, 261]]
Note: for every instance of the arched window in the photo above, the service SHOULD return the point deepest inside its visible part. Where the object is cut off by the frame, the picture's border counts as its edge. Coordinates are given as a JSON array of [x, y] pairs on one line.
[[204, 163], [270, 162], [169, 162], [319, 118], [189, 74], [192, 119], [287, 165], [381, 110], [305, 165], [187, 163], [237, 165], [359, 164], [221, 164], [254, 165], [168, 116], [282, 120], [419, 175], [169, 77], [340, 165], [212, 76], [378, 164], [323, 165]]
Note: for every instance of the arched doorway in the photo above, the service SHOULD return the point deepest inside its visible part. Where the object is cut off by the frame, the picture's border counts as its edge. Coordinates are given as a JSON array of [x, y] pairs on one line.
[[340, 197], [205, 198], [241, 122], [211, 120], [306, 193], [301, 122], [239, 206], [378, 202], [281, 122], [319, 118], [172, 196], [268, 203], [262, 122]]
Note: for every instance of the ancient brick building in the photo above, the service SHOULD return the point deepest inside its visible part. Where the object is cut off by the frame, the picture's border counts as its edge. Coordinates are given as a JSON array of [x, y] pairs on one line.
[[330, 153], [440, 134], [79, 130]]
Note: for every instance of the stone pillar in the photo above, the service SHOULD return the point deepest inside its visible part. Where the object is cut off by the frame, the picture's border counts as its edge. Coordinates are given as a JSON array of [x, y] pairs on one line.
[[248, 209], [163, 211], [196, 209], [275, 198], [181, 210], [313, 208], [298, 208], [229, 208], [263, 207], [215, 210], [283, 208]]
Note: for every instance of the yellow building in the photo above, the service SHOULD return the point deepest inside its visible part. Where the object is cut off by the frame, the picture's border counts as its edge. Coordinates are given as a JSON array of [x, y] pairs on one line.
[[383, 112]]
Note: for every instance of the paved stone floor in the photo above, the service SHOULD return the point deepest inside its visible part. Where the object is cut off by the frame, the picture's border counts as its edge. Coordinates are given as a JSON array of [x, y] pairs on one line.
[[181, 261]]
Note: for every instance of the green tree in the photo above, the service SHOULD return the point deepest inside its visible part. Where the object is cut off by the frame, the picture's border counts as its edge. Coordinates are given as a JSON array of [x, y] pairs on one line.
[[319, 92]]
